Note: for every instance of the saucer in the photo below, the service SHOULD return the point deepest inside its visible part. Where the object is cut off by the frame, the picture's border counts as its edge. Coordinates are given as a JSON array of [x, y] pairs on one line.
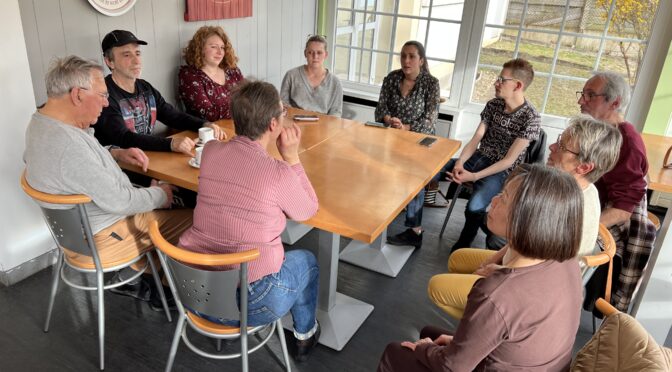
[[192, 162]]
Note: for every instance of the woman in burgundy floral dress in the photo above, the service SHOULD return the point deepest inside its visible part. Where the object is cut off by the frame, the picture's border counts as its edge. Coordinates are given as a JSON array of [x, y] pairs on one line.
[[206, 81]]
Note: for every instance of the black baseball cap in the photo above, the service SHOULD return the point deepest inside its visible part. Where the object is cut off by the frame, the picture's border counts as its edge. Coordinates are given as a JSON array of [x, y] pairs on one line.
[[118, 38]]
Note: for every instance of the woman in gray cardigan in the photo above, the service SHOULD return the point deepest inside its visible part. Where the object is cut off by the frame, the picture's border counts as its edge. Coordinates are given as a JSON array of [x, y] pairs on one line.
[[312, 87]]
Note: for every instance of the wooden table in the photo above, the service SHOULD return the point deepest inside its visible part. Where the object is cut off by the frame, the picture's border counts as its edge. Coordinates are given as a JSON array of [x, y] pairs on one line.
[[652, 304], [363, 177]]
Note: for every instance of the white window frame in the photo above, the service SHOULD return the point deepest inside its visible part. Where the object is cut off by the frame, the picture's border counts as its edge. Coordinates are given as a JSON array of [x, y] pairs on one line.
[[472, 28], [370, 91]]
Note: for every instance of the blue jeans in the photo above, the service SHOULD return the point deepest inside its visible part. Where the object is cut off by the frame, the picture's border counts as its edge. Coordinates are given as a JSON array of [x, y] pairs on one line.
[[414, 210], [292, 289], [484, 189]]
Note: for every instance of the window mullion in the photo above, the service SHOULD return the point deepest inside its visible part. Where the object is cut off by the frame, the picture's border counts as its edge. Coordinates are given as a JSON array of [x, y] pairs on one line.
[[393, 37], [604, 34], [429, 15], [556, 52], [520, 29]]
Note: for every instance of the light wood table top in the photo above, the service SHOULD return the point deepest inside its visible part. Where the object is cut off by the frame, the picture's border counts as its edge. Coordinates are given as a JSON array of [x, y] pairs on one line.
[[312, 132], [363, 176], [660, 179]]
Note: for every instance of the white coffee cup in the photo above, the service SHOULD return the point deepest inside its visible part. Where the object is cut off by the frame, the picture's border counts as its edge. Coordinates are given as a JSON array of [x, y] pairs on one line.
[[199, 153], [206, 134]]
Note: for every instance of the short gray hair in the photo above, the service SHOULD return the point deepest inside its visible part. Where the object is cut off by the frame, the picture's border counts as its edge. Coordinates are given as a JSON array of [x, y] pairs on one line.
[[69, 72], [615, 86], [599, 143]]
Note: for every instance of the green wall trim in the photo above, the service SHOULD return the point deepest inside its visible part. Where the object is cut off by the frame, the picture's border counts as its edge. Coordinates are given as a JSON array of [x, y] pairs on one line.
[[661, 107]]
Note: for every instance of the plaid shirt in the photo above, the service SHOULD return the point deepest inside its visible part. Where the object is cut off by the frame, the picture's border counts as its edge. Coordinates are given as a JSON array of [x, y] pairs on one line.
[[634, 243]]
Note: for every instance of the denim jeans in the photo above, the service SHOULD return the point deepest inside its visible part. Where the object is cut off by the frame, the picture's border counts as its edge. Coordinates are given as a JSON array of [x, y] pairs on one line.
[[292, 289], [484, 189], [414, 210]]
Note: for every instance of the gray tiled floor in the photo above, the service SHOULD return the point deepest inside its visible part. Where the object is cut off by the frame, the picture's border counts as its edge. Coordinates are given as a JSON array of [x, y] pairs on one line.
[[139, 339]]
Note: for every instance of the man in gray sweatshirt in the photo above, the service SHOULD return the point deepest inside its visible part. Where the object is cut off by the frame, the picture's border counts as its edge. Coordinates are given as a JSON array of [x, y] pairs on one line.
[[63, 157]]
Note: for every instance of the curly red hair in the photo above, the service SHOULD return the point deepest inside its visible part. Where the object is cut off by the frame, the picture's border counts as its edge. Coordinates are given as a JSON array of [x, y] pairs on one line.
[[193, 53]]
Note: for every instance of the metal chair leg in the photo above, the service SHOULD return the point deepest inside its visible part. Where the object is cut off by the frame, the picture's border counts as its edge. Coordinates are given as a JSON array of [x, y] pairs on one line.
[[54, 288], [159, 286], [176, 341], [243, 350], [450, 209], [101, 318], [283, 344]]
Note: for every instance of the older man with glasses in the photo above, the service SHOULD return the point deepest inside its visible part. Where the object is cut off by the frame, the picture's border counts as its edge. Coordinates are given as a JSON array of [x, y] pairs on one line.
[[605, 96], [63, 157]]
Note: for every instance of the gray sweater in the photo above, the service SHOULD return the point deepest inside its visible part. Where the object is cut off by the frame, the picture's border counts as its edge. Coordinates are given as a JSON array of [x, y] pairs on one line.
[[327, 98], [63, 159]]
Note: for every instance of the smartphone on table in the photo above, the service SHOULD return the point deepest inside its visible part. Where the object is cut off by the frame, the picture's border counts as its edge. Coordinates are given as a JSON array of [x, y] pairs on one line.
[[305, 118], [427, 141]]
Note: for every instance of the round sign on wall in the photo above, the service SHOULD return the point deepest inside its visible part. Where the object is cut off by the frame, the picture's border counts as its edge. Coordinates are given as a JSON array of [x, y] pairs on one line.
[[112, 7]]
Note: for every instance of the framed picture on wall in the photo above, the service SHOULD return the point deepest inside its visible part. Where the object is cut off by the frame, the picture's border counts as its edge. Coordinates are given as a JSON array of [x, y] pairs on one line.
[[203, 10], [112, 8]]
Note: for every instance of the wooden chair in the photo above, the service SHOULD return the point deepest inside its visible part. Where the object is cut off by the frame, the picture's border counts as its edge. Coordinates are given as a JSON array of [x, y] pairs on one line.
[[69, 225], [654, 220], [198, 290], [606, 256]]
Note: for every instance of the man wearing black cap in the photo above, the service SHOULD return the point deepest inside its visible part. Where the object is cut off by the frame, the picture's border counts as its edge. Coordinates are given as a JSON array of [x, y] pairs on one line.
[[135, 105]]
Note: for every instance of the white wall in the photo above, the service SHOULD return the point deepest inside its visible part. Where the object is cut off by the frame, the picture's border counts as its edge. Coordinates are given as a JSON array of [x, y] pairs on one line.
[[268, 43], [34, 32], [23, 234]]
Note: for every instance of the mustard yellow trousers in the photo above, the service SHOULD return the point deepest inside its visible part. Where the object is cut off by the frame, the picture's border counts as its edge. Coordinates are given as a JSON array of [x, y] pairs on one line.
[[449, 291]]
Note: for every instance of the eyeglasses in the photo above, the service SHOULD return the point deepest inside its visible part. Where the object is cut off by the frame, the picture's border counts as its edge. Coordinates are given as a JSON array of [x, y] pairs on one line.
[[501, 79], [563, 147], [105, 95], [588, 96], [316, 36]]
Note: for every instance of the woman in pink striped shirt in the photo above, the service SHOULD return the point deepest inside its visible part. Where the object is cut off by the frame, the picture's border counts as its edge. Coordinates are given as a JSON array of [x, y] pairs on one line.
[[244, 199]]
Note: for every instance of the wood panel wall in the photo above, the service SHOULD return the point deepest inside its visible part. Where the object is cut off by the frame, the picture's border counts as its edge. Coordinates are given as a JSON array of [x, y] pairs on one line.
[[268, 44]]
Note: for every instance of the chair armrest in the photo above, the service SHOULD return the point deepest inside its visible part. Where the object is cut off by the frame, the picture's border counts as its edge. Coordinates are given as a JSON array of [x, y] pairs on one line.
[[596, 260]]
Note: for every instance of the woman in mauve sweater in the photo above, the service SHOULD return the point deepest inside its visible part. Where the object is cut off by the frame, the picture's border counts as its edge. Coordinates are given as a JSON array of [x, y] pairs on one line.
[[523, 316]]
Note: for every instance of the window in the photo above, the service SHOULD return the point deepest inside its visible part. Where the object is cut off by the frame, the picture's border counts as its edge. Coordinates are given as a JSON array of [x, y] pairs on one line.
[[370, 34], [565, 42]]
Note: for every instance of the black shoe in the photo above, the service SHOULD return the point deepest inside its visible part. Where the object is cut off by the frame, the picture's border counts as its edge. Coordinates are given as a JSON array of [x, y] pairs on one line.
[[155, 298], [305, 347], [460, 244], [408, 237], [139, 290], [156, 305]]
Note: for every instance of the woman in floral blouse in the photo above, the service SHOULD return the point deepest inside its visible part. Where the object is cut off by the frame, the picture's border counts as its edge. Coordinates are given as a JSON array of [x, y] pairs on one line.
[[410, 96], [206, 81], [409, 100]]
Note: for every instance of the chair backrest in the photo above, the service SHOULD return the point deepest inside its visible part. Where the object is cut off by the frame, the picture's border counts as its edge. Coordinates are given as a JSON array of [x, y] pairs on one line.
[[608, 246], [68, 225], [621, 344], [537, 149], [211, 292], [208, 292]]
